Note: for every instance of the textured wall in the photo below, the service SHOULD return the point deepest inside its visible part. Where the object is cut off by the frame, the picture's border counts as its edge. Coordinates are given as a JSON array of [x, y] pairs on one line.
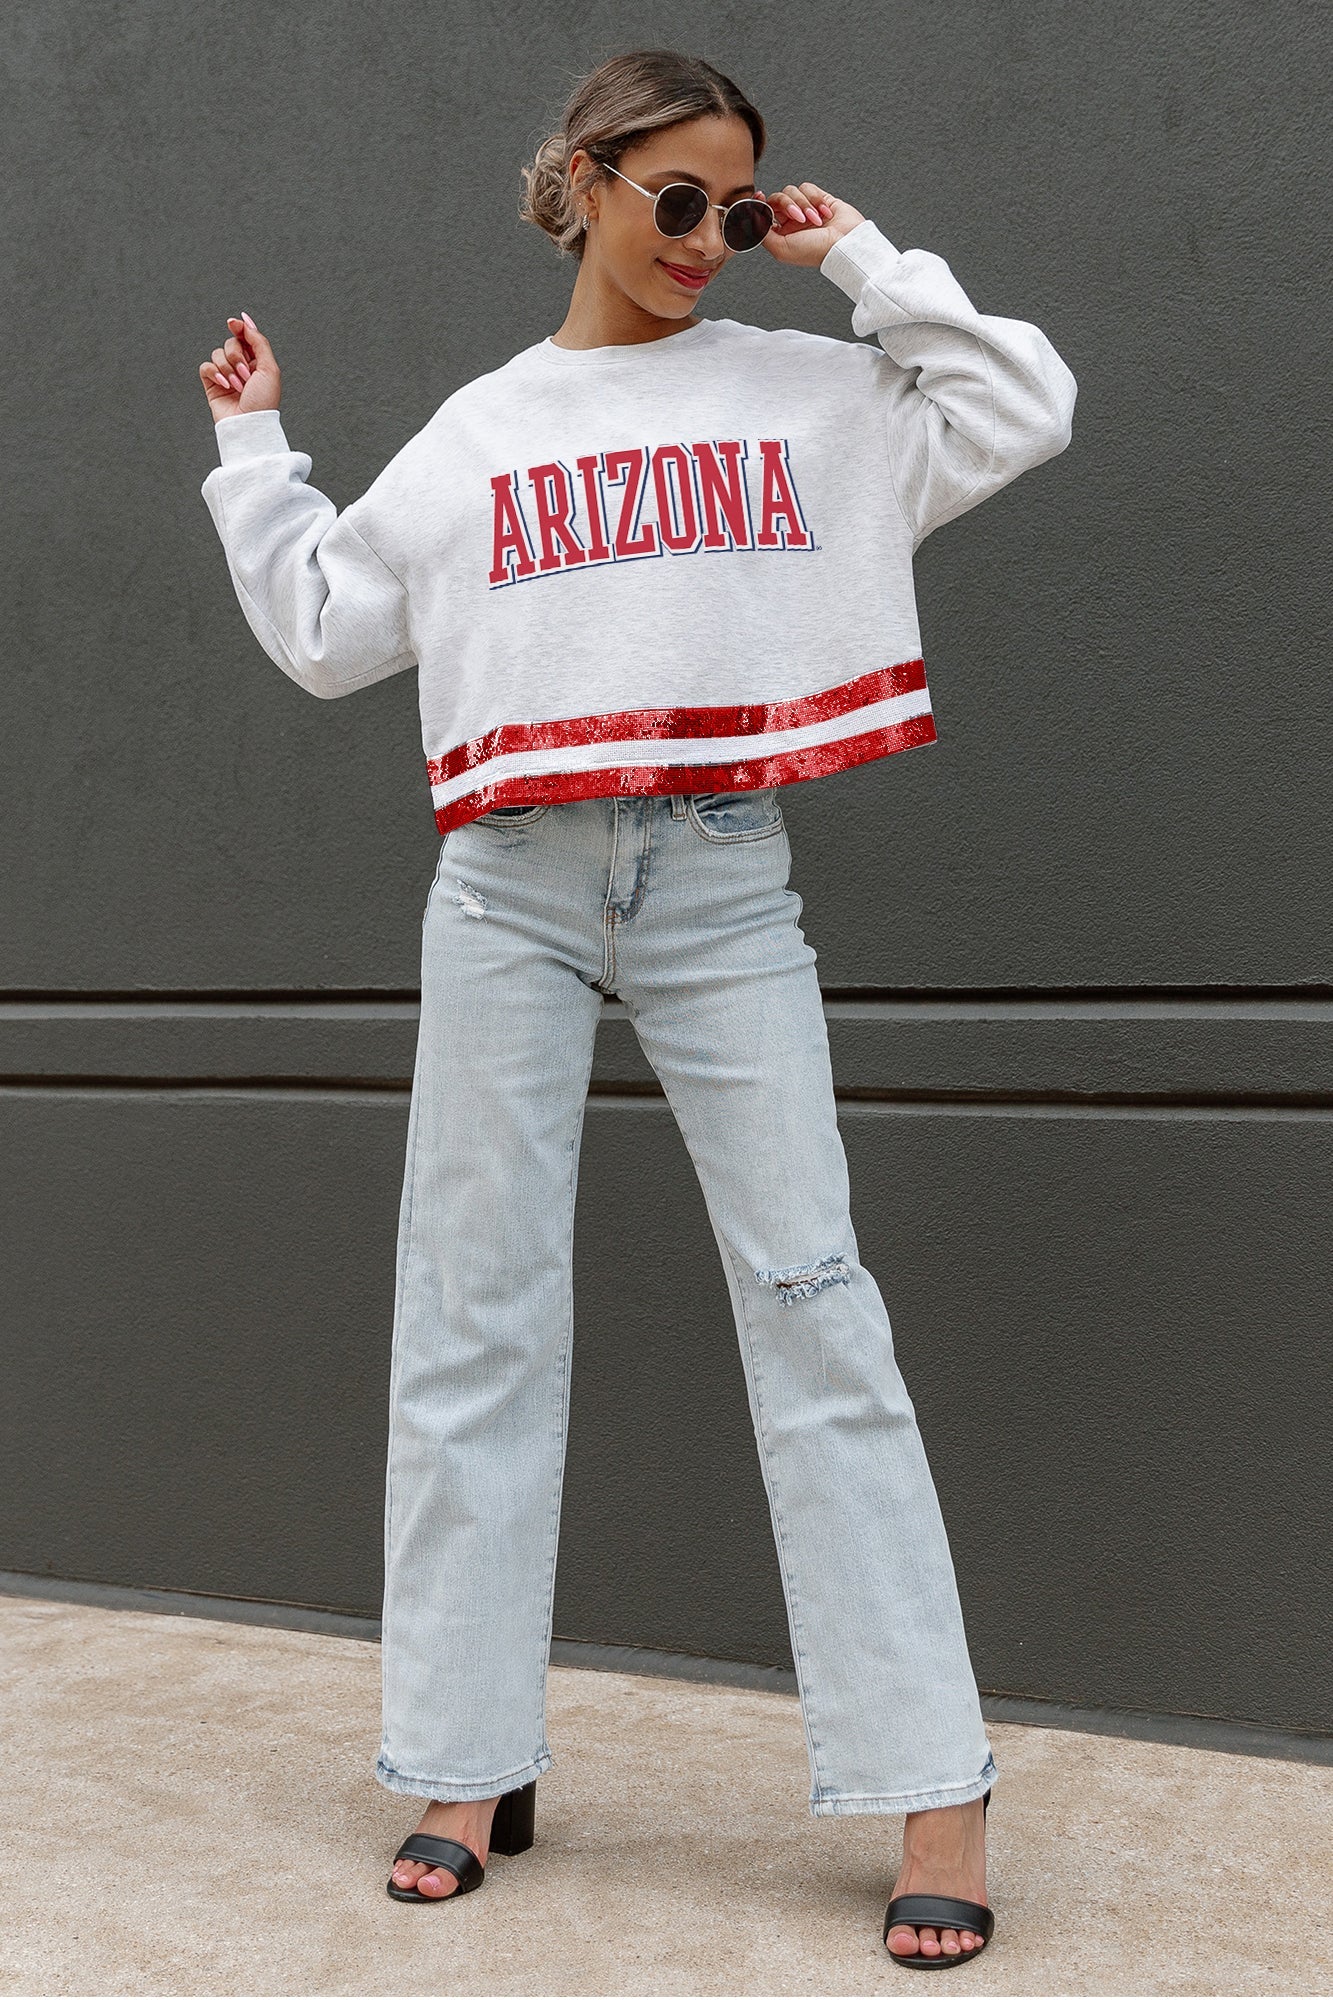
[[1079, 953]]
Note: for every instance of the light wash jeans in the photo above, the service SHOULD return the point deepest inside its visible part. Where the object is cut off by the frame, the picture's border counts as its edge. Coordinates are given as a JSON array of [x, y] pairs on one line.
[[679, 906]]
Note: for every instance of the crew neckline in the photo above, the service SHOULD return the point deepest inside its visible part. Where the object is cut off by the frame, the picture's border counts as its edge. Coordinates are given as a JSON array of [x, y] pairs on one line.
[[625, 353]]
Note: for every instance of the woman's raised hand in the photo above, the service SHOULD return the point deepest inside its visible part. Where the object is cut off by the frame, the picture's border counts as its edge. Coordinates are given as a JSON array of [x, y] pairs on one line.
[[807, 223], [242, 374]]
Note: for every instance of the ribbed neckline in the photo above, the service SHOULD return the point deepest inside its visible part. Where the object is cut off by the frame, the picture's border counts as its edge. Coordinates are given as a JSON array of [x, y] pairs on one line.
[[639, 353]]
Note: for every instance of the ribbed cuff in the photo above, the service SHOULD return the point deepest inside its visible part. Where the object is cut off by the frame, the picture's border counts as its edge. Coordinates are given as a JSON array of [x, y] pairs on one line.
[[250, 434], [864, 253]]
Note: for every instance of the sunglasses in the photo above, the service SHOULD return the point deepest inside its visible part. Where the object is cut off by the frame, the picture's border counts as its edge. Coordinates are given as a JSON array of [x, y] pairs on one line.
[[680, 207]]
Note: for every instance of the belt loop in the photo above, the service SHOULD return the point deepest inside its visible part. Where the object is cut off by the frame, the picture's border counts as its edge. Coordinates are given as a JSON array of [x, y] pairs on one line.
[[678, 805]]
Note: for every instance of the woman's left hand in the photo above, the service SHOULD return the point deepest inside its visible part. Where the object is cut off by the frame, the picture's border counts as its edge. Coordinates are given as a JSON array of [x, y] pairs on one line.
[[807, 223]]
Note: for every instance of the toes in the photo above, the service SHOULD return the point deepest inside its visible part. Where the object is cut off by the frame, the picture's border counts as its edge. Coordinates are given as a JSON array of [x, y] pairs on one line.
[[923, 1941], [956, 1941], [432, 1882], [906, 1943], [927, 1943]]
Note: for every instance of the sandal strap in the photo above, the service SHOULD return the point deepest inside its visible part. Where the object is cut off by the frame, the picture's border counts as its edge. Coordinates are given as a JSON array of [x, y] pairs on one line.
[[941, 1913], [442, 1853]]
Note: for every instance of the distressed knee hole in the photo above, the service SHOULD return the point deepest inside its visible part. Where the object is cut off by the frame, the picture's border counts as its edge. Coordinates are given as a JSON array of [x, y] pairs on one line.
[[470, 900], [802, 1281]]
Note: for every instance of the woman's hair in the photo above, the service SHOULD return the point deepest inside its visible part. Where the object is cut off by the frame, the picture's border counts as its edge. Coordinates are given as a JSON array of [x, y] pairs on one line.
[[619, 103]]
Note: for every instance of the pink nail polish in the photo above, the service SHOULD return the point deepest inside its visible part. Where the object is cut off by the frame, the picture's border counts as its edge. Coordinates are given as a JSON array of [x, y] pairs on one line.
[[249, 322], [242, 371]]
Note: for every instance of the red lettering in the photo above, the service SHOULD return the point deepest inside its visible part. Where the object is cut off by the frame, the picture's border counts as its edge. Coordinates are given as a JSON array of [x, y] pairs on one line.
[[724, 490], [599, 549], [553, 517], [510, 533], [634, 460], [780, 502], [687, 535]]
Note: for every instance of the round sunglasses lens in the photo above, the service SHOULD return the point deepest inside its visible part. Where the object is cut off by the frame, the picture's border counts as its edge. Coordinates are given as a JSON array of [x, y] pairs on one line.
[[747, 223], [680, 208]]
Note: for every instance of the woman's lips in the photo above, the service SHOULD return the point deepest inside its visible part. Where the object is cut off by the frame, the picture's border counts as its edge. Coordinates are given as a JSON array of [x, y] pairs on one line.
[[693, 280]]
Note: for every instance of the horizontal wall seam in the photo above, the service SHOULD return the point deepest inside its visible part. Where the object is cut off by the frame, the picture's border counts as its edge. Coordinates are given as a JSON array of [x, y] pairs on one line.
[[622, 1095], [1034, 1004], [333, 1086], [1222, 995]]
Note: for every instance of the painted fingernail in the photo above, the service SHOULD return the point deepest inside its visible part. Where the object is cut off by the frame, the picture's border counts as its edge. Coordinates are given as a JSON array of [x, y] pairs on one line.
[[242, 371], [249, 322]]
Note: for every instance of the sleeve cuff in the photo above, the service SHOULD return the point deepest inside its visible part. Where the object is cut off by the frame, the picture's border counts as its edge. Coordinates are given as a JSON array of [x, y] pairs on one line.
[[863, 254], [251, 434]]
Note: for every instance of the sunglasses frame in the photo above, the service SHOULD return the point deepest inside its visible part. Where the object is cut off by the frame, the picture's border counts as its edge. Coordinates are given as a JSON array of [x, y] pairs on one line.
[[723, 211]]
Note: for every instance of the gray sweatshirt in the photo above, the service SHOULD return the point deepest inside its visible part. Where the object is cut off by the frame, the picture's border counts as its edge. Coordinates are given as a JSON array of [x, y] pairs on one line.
[[683, 565]]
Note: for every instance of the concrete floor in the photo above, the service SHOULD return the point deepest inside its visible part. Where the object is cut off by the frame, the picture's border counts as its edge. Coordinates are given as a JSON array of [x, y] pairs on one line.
[[190, 1809]]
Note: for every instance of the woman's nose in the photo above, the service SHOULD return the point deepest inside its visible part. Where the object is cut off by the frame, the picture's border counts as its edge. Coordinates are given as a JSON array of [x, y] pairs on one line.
[[707, 239]]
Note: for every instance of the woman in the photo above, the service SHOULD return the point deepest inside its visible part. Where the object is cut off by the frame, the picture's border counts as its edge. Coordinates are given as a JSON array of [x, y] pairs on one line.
[[651, 569]]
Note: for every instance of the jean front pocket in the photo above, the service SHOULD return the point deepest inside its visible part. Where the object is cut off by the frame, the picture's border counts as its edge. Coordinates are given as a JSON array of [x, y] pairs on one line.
[[723, 817], [513, 815]]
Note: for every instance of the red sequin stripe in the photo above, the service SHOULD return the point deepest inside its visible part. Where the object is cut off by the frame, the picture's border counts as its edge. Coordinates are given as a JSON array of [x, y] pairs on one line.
[[746, 776], [655, 724]]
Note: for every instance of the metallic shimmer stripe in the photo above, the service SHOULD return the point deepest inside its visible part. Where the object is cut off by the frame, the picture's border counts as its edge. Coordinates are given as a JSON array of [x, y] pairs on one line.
[[745, 772], [642, 725]]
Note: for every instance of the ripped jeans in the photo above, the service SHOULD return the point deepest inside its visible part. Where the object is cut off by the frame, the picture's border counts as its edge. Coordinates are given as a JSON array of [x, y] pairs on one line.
[[680, 907]]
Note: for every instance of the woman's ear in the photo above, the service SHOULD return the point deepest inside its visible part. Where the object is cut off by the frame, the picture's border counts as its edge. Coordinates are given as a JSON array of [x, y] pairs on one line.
[[577, 171], [582, 177]]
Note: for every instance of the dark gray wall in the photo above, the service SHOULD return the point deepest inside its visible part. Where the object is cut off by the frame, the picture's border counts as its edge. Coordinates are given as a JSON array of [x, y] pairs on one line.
[[1079, 955]]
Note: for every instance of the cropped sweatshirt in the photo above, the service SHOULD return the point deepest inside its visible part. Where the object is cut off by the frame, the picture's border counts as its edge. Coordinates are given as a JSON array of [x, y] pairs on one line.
[[682, 565]]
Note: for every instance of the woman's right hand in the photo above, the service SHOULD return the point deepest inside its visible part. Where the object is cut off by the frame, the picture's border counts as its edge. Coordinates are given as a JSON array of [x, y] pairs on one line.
[[243, 374]]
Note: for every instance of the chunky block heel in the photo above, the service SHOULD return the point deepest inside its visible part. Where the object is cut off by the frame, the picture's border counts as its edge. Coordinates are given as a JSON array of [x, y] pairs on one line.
[[512, 1832], [513, 1828]]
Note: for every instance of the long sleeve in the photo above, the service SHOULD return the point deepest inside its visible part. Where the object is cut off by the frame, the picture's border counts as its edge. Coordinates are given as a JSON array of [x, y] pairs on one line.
[[322, 603], [973, 399]]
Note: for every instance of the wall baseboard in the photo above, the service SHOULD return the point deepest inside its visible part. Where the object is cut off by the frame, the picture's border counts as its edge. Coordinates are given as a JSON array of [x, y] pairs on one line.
[[1196, 1732]]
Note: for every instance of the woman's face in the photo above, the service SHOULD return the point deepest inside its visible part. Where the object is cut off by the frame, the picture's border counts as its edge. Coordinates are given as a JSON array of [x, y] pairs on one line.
[[666, 275]]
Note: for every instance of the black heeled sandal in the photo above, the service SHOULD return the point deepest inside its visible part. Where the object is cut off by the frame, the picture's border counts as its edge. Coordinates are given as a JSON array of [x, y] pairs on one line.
[[511, 1833], [941, 1913]]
